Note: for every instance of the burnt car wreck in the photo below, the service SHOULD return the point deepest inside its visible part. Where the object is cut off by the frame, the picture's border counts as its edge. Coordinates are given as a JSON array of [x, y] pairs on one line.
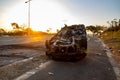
[[70, 43]]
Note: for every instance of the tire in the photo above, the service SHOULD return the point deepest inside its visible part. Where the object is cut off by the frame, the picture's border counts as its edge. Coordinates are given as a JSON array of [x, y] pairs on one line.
[[84, 43], [49, 55], [47, 44]]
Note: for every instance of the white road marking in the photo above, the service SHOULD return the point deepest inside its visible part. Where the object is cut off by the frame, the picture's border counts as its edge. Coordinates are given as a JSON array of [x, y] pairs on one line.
[[17, 62], [33, 71]]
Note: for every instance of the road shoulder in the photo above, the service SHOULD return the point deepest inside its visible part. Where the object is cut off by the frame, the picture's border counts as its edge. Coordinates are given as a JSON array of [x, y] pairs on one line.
[[115, 66]]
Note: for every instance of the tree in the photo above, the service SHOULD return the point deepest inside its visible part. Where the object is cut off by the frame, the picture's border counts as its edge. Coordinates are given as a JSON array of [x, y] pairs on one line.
[[95, 29], [2, 31], [91, 28], [114, 25], [20, 30], [49, 30], [57, 30], [15, 25], [23, 27]]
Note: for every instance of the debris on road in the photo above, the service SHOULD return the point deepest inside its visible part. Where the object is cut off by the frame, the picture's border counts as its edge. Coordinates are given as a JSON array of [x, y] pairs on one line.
[[50, 73], [98, 54]]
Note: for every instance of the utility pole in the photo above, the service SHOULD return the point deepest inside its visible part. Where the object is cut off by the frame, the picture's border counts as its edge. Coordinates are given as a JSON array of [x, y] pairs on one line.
[[28, 16]]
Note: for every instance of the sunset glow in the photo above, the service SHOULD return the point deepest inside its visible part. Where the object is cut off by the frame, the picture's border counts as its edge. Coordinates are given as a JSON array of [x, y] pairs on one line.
[[45, 14]]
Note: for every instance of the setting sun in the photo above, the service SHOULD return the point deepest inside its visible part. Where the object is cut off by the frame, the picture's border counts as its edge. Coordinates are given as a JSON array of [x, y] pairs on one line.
[[43, 15]]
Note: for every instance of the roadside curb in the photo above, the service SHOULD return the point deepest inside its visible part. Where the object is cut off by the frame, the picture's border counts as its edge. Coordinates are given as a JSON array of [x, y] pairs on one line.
[[112, 61]]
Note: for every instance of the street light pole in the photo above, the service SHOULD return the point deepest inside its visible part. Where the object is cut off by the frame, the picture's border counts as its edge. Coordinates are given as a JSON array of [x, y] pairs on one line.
[[28, 15]]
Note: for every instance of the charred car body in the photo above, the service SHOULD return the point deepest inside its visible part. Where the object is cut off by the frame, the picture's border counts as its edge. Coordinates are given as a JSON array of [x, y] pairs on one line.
[[69, 43]]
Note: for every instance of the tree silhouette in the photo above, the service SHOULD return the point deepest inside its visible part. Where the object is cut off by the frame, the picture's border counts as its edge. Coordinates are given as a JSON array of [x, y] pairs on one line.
[[19, 30], [95, 29], [15, 25], [91, 28], [48, 30], [57, 30], [114, 25], [2, 31]]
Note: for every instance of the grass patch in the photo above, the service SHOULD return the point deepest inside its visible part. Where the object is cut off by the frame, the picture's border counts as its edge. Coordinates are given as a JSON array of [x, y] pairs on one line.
[[112, 40]]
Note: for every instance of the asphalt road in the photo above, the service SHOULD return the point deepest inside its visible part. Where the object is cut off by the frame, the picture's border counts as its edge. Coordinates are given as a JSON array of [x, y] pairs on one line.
[[95, 66]]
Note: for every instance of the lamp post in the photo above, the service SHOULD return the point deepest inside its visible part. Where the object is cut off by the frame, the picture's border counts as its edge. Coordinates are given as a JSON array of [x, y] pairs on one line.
[[28, 16]]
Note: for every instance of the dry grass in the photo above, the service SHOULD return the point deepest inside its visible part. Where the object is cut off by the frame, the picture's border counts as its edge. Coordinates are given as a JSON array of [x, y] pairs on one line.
[[112, 40]]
